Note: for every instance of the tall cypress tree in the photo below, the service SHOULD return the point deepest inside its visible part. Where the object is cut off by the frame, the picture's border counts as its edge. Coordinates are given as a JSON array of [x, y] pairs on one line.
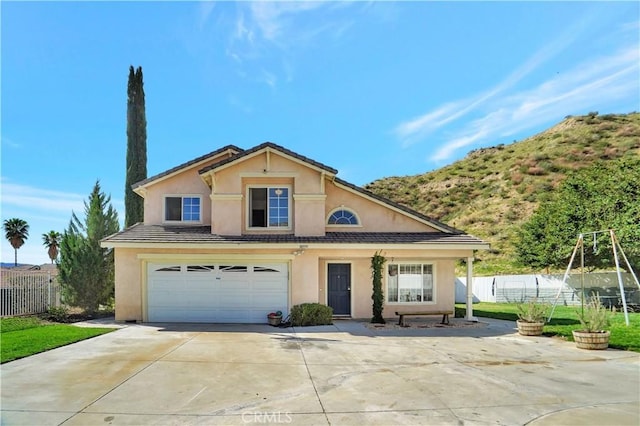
[[136, 147]]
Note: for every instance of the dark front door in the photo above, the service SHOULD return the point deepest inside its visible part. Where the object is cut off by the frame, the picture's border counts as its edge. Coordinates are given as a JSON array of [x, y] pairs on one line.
[[339, 282]]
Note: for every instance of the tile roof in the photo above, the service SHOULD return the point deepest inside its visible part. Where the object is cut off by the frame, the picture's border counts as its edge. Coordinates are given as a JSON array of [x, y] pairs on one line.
[[187, 164], [140, 233], [272, 146], [243, 153]]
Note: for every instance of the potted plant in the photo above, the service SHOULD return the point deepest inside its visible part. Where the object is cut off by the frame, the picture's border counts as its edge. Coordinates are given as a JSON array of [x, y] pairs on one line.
[[531, 317], [274, 318], [594, 319]]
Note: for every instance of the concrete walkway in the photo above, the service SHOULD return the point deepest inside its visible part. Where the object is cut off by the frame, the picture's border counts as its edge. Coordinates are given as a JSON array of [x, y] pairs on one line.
[[341, 374]]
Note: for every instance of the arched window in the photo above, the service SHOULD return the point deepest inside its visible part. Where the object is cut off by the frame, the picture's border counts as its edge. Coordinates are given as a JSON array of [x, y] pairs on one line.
[[343, 216]]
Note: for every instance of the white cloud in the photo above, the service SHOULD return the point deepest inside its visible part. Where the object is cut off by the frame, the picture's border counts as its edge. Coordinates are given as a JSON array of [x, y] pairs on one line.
[[242, 32], [269, 78], [412, 131], [32, 198], [44, 210], [10, 143], [274, 32], [205, 8], [589, 85], [415, 130], [275, 19]]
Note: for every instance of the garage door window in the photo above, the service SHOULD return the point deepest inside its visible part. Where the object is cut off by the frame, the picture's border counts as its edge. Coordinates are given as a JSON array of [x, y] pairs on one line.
[[169, 269], [264, 269], [200, 268], [233, 268]]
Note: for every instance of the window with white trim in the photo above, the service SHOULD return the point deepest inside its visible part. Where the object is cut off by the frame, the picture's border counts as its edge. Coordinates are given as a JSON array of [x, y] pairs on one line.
[[269, 207], [410, 283], [342, 216], [182, 209]]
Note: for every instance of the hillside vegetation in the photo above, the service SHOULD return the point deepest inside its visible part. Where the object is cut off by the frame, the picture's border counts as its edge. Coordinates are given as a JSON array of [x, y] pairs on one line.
[[492, 191]]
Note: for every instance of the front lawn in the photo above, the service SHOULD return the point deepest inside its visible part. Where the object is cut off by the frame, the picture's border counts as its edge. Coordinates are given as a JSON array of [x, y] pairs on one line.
[[24, 336], [564, 321]]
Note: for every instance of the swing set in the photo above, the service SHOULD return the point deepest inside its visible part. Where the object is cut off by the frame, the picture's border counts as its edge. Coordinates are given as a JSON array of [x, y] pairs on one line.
[[617, 248]]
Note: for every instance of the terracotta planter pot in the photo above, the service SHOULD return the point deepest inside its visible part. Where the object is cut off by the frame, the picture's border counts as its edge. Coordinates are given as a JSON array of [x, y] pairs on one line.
[[274, 320], [530, 328], [591, 340]]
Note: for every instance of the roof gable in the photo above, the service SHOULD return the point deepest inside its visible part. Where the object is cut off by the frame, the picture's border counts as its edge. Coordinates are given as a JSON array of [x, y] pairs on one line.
[[269, 147], [196, 162]]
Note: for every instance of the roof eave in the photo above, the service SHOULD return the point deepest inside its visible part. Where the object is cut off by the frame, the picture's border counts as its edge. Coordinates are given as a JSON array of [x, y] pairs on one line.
[[139, 187], [291, 245], [269, 147]]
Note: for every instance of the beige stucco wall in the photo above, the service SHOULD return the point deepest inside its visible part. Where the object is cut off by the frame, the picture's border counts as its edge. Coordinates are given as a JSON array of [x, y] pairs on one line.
[[362, 287], [307, 279], [128, 286], [309, 217], [230, 194], [374, 216], [187, 183], [182, 183], [314, 196]]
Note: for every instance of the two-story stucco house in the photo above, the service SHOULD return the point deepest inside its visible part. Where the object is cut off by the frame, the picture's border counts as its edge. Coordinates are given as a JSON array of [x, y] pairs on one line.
[[236, 234]]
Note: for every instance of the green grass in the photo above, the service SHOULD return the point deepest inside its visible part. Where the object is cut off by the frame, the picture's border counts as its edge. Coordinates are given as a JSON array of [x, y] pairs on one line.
[[564, 321], [24, 336]]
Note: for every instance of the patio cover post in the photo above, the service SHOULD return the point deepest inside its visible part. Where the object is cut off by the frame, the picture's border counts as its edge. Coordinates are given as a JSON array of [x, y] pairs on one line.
[[470, 316]]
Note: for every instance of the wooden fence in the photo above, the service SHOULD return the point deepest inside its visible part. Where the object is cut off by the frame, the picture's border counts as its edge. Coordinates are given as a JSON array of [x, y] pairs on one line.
[[27, 292]]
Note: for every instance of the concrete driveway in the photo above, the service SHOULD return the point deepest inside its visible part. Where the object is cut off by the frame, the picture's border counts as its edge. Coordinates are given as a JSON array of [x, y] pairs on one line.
[[341, 374]]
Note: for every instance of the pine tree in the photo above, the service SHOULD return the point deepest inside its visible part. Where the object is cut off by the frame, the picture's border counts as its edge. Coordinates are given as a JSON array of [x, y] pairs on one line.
[[86, 269], [136, 147]]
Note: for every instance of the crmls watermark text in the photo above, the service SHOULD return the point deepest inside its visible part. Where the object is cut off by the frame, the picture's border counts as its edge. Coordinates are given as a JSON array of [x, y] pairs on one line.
[[266, 417]]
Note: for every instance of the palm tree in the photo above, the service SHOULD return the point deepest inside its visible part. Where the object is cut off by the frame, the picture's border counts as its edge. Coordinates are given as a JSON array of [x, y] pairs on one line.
[[52, 242], [16, 231]]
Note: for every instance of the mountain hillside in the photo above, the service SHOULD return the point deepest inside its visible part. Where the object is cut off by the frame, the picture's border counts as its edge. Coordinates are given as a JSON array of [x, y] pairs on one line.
[[492, 191]]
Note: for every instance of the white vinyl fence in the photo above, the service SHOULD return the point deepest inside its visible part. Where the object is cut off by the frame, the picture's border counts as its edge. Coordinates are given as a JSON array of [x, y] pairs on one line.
[[520, 288], [27, 292]]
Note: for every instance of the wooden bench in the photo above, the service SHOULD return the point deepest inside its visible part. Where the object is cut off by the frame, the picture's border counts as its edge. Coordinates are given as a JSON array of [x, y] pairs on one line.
[[445, 316]]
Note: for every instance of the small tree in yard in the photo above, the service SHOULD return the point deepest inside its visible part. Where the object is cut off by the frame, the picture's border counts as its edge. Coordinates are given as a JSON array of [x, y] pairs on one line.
[[377, 263], [86, 269], [602, 196]]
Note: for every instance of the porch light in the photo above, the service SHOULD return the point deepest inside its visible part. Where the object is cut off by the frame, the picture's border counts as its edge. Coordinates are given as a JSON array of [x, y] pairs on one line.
[[300, 250]]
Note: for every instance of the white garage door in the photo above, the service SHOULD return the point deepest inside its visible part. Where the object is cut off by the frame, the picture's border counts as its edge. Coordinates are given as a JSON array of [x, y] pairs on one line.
[[223, 293]]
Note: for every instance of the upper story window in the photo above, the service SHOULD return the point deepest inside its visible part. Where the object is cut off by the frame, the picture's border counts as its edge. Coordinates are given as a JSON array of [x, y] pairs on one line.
[[343, 216], [269, 208], [410, 283], [182, 209]]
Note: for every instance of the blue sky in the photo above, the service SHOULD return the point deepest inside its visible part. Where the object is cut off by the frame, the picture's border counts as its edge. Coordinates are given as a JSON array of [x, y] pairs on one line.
[[373, 89]]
